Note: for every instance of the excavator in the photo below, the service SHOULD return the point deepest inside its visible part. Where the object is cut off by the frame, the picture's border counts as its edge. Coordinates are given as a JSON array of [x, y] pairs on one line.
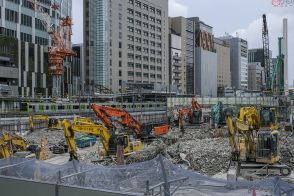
[[194, 114], [52, 123], [11, 144], [109, 140], [123, 118], [254, 140]]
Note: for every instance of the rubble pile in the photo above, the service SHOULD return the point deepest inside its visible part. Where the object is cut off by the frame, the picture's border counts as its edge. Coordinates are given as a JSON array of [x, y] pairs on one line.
[[53, 136], [287, 148], [194, 149]]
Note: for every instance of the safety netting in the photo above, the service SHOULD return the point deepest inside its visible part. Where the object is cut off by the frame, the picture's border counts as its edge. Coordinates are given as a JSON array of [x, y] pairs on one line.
[[146, 178]]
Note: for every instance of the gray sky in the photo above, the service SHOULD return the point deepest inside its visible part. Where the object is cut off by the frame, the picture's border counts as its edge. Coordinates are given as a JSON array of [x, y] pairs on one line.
[[225, 16]]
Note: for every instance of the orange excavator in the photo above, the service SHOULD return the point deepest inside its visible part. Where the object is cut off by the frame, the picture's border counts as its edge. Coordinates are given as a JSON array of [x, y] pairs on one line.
[[194, 113], [106, 115]]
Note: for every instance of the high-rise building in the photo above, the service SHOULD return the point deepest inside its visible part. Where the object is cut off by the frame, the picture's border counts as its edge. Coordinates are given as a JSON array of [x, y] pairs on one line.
[[223, 64], [24, 46], [205, 59], [199, 60], [126, 43], [176, 78], [256, 56], [77, 70], [239, 62], [255, 73], [285, 53]]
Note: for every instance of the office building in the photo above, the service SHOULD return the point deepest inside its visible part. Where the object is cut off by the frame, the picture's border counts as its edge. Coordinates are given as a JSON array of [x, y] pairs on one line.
[[239, 62], [223, 64], [205, 60], [126, 43], [24, 46], [255, 73]]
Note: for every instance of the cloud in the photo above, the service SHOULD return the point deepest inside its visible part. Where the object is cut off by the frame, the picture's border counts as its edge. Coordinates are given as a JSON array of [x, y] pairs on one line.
[[253, 34], [177, 9]]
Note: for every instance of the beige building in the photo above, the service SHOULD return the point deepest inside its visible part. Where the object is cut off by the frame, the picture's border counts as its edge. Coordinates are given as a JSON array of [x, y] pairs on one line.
[[255, 72], [126, 42], [223, 63]]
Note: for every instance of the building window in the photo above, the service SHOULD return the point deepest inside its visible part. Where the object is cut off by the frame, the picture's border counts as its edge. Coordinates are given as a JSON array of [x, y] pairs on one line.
[[145, 41], [146, 25], [130, 73], [130, 64], [138, 48], [130, 20], [152, 19], [152, 59], [131, 2], [145, 66], [159, 68], [130, 56], [138, 57], [130, 29], [145, 16], [138, 39], [26, 20], [138, 22], [146, 75], [145, 58], [158, 29], [145, 7], [138, 31], [138, 4], [119, 45], [152, 9], [138, 65], [152, 35], [152, 51], [158, 12], [131, 38], [159, 76], [119, 73], [138, 74], [152, 75], [119, 54], [152, 27], [145, 50], [158, 21], [130, 47], [138, 14], [11, 15], [130, 11]]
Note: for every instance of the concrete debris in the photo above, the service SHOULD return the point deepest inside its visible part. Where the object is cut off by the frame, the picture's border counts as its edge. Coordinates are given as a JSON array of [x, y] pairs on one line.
[[287, 148], [53, 136]]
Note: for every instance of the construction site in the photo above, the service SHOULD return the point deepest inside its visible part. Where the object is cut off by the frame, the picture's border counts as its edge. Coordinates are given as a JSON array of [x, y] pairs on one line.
[[140, 142]]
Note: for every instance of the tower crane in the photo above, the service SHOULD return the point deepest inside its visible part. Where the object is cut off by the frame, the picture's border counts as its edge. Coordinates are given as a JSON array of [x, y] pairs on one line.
[[266, 56], [61, 42]]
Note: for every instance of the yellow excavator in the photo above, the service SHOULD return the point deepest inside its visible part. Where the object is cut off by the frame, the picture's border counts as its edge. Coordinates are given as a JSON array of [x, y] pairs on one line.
[[12, 143], [81, 119], [51, 123], [254, 139], [109, 141]]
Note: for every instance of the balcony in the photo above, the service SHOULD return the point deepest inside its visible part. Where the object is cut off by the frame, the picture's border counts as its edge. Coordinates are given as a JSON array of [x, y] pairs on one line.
[[176, 77], [177, 71], [175, 57], [177, 64]]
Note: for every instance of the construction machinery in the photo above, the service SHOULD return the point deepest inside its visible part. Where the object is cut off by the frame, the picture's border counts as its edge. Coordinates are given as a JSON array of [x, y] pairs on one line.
[[81, 119], [193, 114], [61, 40], [14, 145], [110, 115], [254, 139], [51, 123], [109, 139], [266, 64]]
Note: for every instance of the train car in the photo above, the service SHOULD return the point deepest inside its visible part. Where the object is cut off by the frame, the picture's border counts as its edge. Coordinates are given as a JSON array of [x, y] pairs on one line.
[[77, 108]]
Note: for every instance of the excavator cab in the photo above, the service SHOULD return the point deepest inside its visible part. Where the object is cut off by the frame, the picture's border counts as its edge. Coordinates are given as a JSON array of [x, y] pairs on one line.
[[267, 117], [267, 147]]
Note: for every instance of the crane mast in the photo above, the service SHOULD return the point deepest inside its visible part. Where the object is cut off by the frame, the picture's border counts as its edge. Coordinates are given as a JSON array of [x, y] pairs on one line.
[[266, 55], [60, 39]]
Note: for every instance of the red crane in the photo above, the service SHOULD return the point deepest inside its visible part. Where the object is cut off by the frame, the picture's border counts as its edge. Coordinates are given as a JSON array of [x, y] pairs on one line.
[[61, 42]]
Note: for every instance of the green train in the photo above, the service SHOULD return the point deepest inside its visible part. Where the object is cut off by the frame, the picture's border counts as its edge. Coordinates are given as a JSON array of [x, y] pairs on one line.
[[66, 108]]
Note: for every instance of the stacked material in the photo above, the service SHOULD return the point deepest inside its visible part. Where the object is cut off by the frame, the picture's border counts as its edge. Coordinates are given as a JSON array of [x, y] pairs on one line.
[[287, 148]]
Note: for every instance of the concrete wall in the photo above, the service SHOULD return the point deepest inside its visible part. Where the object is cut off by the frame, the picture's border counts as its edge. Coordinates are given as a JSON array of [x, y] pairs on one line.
[[13, 186]]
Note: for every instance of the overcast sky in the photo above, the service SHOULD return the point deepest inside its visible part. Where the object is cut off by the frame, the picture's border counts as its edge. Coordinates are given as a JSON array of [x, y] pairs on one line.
[[242, 17]]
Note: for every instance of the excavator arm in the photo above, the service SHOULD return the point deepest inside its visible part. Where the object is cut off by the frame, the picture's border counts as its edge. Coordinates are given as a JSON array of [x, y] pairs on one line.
[[86, 128], [105, 113]]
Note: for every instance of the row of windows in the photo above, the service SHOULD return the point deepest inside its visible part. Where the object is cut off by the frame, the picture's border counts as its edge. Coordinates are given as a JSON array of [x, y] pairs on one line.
[[26, 20], [145, 75], [11, 15], [145, 50], [139, 31], [41, 41], [145, 66], [145, 16], [145, 41], [25, 37], [145, 7], [145, 58], [39, 25], [7, 32]]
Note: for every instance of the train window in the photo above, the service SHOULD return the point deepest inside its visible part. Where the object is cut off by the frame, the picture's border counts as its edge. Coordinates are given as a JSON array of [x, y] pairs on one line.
[[30, 106], [150, 106], [124, 106], [68, 107], [114, 106], [143, 106], [33, 107], [82, 107], [41, 107], [158, 105], [23, 107], [53, 107], [76, 107], [47, 107], [88, 106], [60, 107]]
